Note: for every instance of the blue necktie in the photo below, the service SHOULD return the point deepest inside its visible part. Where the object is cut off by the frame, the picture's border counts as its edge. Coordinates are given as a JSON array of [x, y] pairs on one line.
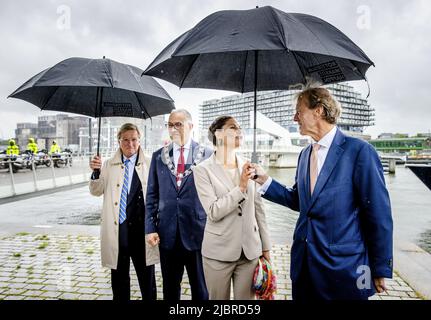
[[124, 192]]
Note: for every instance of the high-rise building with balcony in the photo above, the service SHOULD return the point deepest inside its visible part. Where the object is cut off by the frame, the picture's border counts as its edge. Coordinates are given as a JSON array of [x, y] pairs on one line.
[[278, 106]]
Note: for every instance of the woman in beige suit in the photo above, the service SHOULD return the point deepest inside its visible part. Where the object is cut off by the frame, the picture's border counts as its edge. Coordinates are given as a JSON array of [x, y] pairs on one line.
[[236, 233]]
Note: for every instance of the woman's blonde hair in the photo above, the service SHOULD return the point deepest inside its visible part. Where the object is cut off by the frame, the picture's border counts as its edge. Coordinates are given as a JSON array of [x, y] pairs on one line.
[[126, 127]]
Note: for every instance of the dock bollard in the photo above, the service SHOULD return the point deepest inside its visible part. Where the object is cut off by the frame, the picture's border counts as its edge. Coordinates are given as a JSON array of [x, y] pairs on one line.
[[392, 165]]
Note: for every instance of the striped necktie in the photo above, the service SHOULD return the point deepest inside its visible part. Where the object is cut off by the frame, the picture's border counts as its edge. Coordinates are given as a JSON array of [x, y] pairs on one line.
[[124, 192]]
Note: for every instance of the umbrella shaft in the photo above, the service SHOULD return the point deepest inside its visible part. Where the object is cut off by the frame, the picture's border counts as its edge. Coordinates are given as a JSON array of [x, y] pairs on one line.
[[254, 154], [98, 135], [99, 113]]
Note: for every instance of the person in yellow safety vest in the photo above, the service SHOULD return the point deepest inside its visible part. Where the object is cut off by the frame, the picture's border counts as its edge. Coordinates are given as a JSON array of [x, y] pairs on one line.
[[12, 148], [32, 146], [55, 148]]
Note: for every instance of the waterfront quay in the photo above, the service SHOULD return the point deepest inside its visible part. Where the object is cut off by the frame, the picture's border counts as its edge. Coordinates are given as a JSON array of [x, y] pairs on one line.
[[61, 265], [49, 245]]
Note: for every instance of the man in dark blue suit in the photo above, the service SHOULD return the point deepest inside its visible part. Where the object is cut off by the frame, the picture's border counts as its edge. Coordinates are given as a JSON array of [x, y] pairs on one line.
[[175, 218], [342, 244]]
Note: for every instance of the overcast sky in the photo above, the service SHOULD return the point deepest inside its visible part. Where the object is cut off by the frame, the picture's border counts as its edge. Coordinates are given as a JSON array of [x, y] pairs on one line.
[[36, 34]]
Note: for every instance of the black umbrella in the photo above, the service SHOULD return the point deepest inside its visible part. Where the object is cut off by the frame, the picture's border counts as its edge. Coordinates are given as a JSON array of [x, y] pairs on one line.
[[97, 88], [259, 49]]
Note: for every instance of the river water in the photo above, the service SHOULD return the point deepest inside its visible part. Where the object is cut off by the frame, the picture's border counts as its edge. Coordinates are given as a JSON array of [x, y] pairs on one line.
[[411, 209], [410, 200]]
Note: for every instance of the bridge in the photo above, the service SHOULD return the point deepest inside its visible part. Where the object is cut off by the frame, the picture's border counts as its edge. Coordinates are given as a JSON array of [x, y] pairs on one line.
[[275, 147]]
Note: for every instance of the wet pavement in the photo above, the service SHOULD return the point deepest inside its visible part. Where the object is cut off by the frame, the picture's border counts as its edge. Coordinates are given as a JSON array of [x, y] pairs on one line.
[[64, 266]]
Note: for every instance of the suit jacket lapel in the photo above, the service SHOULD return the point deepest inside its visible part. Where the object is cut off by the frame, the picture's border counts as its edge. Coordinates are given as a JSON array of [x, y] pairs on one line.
[[133, 186], [117, 172], [305, 176], [192, 154], [171, 155], [221, 174], [135, 178], [334, 153], [141, 167]]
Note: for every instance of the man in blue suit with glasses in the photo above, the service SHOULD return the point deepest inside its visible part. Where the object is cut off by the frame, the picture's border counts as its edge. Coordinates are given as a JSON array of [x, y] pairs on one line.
[[175, 217], [342, 244]]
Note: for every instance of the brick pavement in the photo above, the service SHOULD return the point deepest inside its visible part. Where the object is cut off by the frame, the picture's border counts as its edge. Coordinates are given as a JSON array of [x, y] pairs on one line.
[[56, 266]]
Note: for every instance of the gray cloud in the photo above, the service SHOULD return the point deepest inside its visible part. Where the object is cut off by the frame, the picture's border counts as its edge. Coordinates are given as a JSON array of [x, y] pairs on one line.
[[135, 31]]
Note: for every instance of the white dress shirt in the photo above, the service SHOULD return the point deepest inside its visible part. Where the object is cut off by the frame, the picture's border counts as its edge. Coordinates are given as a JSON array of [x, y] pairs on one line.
[[131, 168], [177, 151], [325, 144]]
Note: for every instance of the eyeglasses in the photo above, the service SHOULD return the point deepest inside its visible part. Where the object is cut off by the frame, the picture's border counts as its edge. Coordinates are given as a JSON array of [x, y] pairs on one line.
[[176, 125], [127, 141]]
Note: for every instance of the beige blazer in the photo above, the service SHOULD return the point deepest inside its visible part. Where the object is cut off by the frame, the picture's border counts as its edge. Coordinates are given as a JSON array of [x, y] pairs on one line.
[[235, 220], [109, 185]]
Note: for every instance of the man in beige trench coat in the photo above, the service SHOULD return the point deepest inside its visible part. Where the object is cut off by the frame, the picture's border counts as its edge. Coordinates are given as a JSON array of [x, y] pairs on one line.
[[123, 183]]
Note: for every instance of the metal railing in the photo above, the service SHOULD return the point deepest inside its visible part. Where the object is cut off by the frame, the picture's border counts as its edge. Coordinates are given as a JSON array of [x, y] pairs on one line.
[[22, 176]]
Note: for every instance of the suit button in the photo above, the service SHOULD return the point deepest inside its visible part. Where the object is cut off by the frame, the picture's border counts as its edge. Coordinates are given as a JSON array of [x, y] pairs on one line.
[[115, 222], [116, 203], [178, 198], [240, 214], [118, 184]]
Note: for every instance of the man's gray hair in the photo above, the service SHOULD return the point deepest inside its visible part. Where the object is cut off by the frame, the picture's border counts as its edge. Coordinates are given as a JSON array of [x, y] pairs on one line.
[[317, 95], [187, 114]]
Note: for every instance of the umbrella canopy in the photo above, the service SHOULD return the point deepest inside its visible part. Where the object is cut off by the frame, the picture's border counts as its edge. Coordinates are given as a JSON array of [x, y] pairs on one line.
[[97, 88], [259, 49], [72, 86]]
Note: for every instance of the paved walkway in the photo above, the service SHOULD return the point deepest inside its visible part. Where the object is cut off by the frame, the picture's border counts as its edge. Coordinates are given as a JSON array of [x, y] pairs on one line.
[[57, 266]]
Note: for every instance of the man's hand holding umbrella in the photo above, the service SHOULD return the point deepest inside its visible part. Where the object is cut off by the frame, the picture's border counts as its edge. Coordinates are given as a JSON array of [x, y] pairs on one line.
[[96, 163]]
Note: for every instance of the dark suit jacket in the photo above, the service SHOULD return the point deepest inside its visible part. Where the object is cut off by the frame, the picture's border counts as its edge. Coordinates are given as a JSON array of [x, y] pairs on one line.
[[345, 228], [132, 231], [169, 208]]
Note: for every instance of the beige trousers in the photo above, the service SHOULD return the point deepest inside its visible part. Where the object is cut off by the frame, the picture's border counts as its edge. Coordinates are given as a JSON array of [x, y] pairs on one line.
[[220, 274]]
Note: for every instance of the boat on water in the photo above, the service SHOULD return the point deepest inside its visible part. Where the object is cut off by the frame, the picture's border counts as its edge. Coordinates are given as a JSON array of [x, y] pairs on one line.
[[423, 172], [400, 158]]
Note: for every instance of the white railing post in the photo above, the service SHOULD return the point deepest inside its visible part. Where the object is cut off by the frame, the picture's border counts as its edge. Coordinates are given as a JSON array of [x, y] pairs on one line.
[[12, 180], [53, 172], [69, 164], [33, 169]]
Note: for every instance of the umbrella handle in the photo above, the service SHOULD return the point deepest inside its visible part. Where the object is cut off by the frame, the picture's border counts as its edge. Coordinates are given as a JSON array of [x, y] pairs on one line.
[[96, 173]]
